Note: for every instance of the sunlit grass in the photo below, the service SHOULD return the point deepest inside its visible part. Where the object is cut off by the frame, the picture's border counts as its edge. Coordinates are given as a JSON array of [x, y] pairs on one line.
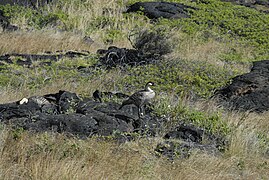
[[185, 79]]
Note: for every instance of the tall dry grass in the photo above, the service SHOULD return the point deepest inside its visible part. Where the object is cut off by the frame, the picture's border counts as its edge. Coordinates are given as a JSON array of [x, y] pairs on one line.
[[52, 156], [41, 41], [87, 18], [211, 51], [25, 155]]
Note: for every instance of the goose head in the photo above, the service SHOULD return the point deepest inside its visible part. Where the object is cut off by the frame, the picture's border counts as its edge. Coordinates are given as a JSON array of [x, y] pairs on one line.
[[147, 87]]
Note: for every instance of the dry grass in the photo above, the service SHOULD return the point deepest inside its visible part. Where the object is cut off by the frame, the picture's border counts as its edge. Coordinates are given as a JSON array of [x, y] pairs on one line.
[[52, 156], [94, 19], [211, 51], [40, 41], [55, 156]]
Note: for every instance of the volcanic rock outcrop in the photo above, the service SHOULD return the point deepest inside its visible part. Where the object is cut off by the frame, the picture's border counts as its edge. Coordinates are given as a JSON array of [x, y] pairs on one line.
[[154, 10], [248, 92], [185, 138], [148, 47], [66, 112], [115, 56], [46, 58]]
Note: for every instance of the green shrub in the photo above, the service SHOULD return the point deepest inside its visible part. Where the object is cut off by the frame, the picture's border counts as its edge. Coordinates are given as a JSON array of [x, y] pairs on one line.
[[35, 18], [225, 21], [181, 76], [37, 76], [174, 109]]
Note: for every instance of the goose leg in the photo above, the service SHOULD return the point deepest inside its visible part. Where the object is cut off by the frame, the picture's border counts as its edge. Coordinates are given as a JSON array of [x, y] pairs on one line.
[[142, 110], [139, 112]]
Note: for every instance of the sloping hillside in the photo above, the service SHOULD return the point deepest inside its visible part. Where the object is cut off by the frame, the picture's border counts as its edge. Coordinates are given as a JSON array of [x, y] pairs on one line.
[[80, 46]]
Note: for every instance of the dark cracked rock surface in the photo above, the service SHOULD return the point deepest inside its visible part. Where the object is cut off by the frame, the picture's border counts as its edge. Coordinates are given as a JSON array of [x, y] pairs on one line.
[[66, 112], [185, 138], [109, 58], [114, 56], [248, 92], [45, 59], [154, 10], [149, 48]]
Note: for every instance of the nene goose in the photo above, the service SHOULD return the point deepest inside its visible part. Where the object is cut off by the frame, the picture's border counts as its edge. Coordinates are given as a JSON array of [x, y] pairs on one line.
[[140, 98], [39, 100]]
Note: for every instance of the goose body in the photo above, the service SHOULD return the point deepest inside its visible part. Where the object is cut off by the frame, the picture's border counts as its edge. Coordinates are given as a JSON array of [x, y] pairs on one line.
[[39, 100], [140, 98]]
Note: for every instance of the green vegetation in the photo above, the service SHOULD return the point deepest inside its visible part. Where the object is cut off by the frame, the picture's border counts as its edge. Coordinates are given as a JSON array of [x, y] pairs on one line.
[[34, 18], [179, 76], [35, 77], [224, 21], [176, 111], [218, 42], [221, 21]]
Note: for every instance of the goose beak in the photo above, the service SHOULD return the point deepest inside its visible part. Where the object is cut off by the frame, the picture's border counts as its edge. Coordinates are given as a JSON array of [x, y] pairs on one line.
[[150, 84]]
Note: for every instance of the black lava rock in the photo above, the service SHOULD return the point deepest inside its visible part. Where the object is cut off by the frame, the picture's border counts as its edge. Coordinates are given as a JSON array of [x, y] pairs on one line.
[[248, 92], [154, 10], [65, 112]]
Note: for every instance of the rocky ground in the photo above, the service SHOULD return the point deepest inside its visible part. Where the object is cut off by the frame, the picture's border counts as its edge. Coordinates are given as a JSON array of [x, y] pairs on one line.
[[66, 112]]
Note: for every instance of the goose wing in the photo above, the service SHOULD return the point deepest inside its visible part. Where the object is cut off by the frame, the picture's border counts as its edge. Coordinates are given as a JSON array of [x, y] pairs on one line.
[[137, 95]]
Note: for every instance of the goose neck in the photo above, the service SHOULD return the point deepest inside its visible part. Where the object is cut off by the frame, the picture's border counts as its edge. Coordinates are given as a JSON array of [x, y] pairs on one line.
[[149, 89]]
